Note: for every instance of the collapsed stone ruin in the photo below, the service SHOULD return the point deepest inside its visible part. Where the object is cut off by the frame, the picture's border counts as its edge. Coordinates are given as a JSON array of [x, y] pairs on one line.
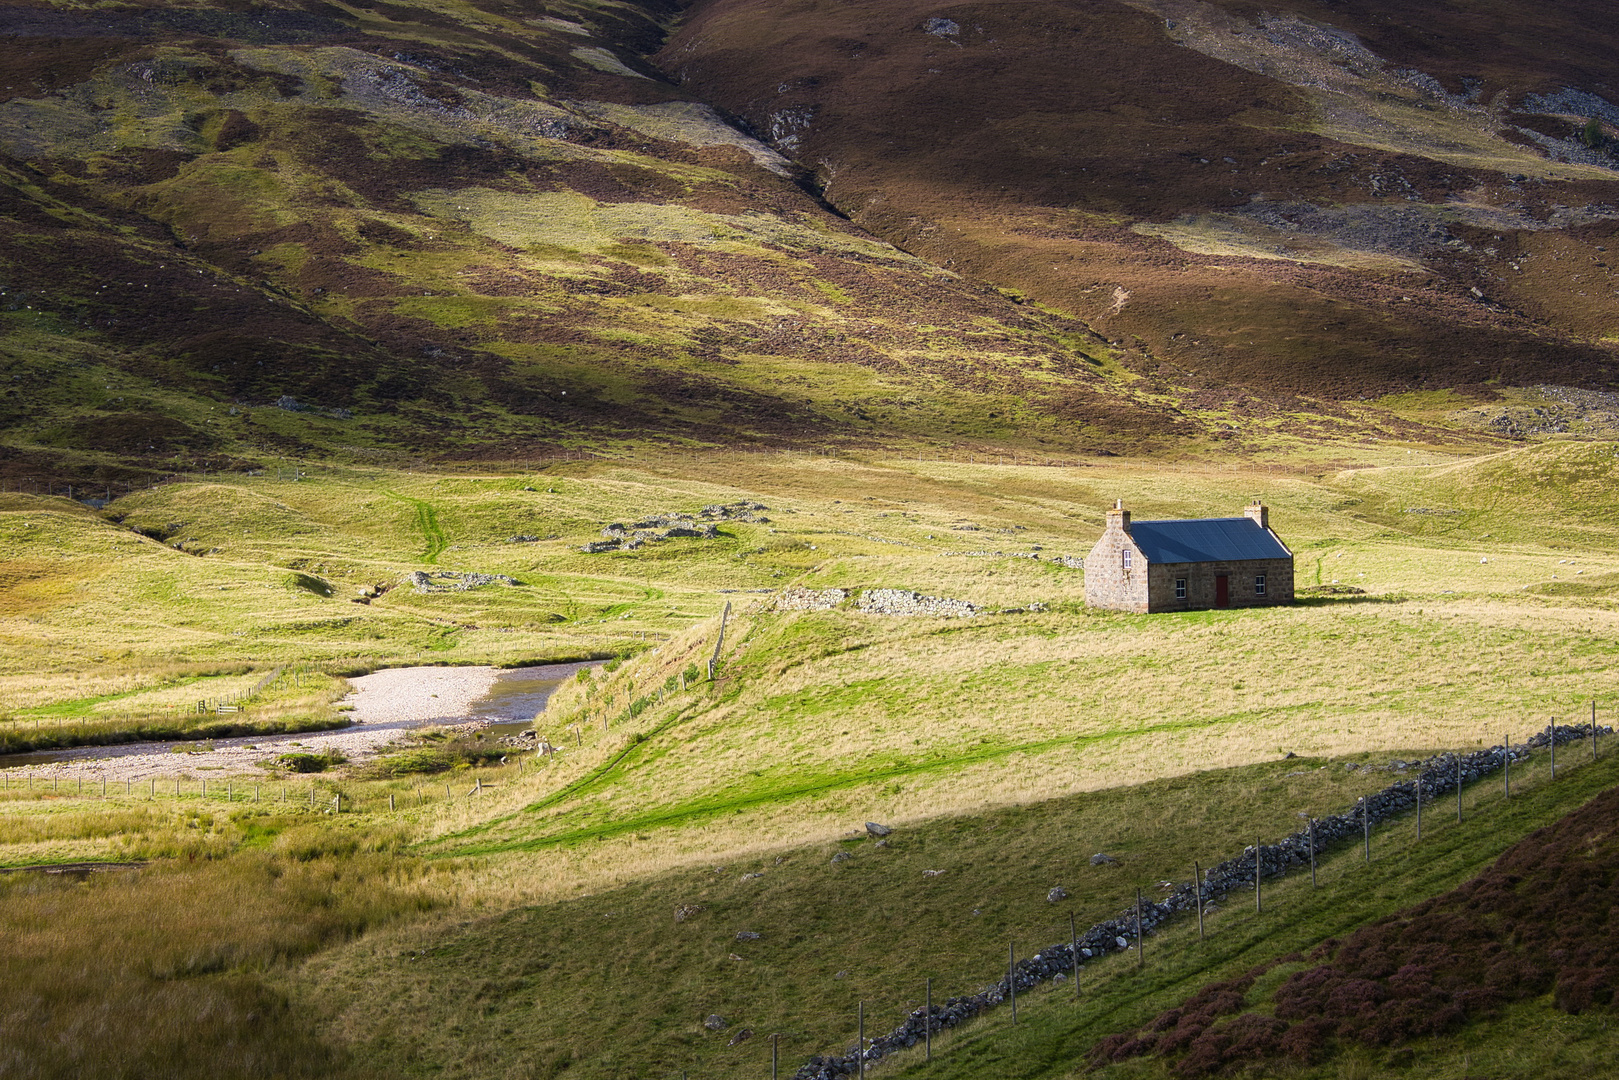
[[446, 581], [703, 525]]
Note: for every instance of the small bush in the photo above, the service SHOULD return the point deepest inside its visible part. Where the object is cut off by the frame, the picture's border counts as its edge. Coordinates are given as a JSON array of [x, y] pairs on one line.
[[301, 762]]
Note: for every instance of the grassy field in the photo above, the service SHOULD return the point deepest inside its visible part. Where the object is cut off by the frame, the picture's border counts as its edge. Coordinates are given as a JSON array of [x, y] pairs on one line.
[[529, 908]]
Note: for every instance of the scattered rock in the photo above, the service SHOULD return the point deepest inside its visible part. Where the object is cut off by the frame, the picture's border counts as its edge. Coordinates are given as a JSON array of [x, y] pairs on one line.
[[740, 1037], [1100, 859], [932, 873], [941, 27], [686, 911], [881, 843], [747, 935], [842, 856], [750, 877], [1056, 895], [715, 1022], [877, 831]]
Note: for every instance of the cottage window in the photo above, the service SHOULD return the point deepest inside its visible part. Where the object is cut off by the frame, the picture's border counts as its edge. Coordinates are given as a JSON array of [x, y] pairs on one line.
[[1259, 585], [1180, 588], [1127, 558]]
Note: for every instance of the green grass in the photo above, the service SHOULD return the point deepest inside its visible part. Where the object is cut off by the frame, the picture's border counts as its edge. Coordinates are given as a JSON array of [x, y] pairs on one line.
[[1006, 749], [611, 983], [427, 522]]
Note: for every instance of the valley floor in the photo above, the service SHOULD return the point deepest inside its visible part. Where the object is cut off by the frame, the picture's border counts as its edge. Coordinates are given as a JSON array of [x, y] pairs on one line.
[[431, 910]]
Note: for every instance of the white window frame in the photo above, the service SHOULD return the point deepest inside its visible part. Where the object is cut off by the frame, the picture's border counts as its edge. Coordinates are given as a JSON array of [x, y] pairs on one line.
[[1180, 588], [1259, 584], [1127, 554]]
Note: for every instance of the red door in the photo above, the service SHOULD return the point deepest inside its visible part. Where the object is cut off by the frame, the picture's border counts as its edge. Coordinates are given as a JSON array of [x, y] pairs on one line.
[[1222, 590]]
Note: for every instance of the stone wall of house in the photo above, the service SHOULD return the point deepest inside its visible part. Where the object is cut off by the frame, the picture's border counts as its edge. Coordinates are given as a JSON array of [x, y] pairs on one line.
[[1107, 583], [1200, 584]]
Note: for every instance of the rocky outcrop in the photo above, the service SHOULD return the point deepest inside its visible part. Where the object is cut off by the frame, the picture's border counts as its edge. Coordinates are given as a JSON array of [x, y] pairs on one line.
[[1439, 776]]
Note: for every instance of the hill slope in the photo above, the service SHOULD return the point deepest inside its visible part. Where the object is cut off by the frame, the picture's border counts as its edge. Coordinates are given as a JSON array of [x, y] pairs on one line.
[[490, 234], [1302, 197]]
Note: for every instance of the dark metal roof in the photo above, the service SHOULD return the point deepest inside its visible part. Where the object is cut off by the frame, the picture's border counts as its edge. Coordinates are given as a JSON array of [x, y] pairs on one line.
[[1206, 540]]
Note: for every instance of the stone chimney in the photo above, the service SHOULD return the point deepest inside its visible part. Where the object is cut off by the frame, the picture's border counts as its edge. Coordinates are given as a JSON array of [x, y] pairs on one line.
[[1118, 517], [1258, 512]]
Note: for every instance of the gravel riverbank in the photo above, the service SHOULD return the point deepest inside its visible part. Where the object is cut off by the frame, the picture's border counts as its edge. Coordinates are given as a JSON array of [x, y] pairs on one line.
[[385, 705]]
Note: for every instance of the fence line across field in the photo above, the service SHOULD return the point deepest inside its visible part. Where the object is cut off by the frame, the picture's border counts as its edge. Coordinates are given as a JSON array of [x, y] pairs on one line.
[[1250, 867]]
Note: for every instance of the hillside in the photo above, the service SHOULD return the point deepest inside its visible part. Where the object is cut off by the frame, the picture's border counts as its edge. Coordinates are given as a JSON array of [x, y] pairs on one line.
[[1305, 198], [781, 358], [379, 230], [391, 231]]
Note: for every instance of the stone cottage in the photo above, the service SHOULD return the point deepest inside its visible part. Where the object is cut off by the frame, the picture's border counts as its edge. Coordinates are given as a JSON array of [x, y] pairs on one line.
[[1152, 566]]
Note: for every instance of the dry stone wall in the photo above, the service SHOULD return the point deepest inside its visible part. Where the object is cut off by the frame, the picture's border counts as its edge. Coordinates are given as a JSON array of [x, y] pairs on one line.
[[1439, 775], [905, 602], [797, 598]]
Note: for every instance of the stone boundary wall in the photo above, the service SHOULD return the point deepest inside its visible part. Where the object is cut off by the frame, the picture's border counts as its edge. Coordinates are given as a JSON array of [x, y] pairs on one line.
[[798, 598], [1438, 776], [875, 602], [905, 602]]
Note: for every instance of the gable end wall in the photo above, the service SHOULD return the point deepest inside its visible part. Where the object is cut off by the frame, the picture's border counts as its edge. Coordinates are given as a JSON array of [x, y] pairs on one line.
[[1107, 584]]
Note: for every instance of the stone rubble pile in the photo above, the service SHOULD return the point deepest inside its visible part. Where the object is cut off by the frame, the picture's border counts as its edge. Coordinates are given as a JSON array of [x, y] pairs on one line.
[[701, 525], [905, 602], [1438, 775], [798, 598], [444, 581]]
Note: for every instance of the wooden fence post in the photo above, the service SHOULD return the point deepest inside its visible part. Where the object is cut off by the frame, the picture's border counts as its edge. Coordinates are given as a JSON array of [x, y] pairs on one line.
[[1259, 903], [1312, 853], [1551, 744], [1197, 893], [1506, 767], [1458, 787], [1419, 808], [1074, 946], [1366, 826], [860, 1043], [1011, 976], [927, 1028], [1141, 950]]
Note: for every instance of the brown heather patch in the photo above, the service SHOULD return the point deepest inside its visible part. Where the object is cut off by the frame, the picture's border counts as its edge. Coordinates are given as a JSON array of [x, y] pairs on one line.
[[1022, 150], [1537, 921]]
